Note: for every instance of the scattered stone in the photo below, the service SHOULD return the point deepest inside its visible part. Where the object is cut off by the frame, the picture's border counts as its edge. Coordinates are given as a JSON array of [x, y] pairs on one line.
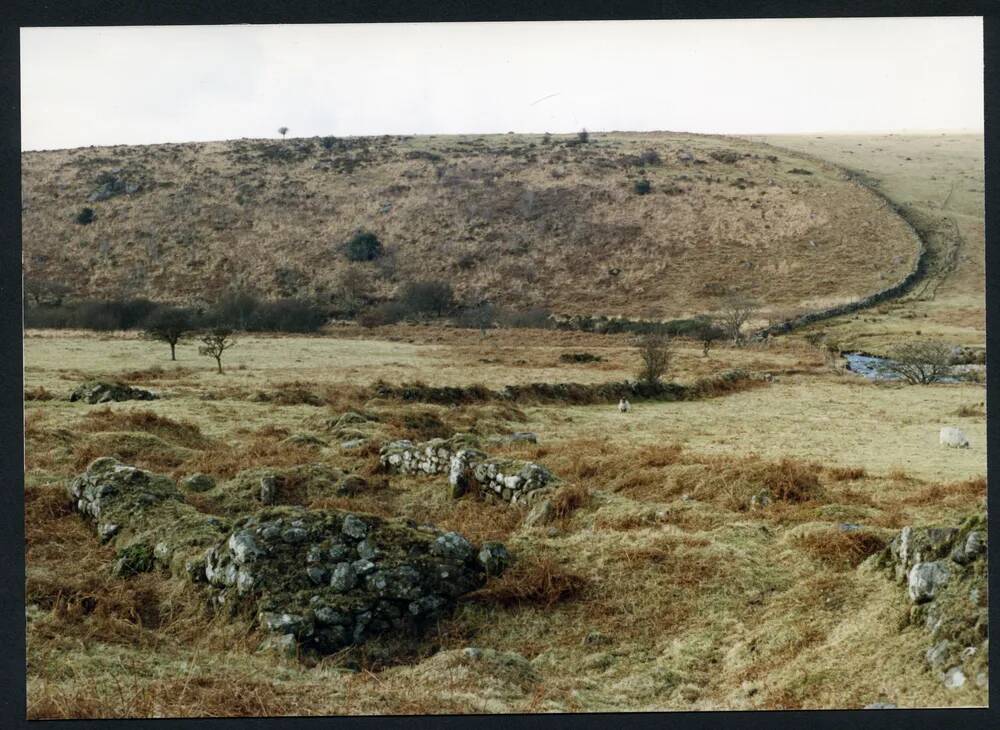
[[954, 678], [353, 443], [953, 437], [198, 483], [305, 439], [268, 489], [99, 391], [540, 514], [494, 558], [596, 638], [761, 500], [926, 579]]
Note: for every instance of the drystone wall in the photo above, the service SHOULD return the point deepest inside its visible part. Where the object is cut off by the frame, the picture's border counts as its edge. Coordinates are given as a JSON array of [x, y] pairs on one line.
[[510, 480]]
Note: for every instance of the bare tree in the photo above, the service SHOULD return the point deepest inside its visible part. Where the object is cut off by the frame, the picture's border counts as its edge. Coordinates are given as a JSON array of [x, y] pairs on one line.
[[708, 333], [737, 310], [216, 341], [919, 362], [45, 291], [282, 131], [654, 350], [168, 324], [353, 289]]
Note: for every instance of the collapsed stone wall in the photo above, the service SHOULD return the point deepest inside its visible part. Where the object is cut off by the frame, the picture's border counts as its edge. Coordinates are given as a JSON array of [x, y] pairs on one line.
[[316, 579], [510, 480], [582, 393], [99, 391], [944, 570]]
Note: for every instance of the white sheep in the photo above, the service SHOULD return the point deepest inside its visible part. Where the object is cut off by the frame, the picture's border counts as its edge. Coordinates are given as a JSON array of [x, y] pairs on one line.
[[624, 406], [953, 437]]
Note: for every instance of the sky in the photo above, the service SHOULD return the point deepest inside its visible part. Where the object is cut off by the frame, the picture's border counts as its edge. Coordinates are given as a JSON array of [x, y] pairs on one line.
[[153, 84]]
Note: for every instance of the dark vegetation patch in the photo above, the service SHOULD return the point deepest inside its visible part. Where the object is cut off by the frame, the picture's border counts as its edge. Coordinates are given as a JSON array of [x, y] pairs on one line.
[[579, 357]]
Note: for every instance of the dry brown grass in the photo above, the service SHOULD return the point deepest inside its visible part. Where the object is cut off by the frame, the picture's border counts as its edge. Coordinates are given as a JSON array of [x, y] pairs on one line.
[[227, 461], [584, 212], [847, 473], [37, 393], [840, 550], [568, 499], [968, 490], [154, 373], [181, 433], [532, 581], [732, 482]]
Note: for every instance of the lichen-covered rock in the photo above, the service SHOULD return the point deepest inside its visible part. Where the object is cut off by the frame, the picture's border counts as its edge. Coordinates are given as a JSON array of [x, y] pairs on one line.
[[926, 579], [376, 577], [99, 391], [198, 483], [944, 569], [305, 439]]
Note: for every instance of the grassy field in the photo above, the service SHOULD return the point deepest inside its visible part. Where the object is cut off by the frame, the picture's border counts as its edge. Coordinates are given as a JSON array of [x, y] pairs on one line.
[[657, 589]]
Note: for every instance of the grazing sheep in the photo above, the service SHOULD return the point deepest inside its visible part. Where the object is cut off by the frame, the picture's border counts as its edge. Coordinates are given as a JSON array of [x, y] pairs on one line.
[[953, 437], [624, 406]]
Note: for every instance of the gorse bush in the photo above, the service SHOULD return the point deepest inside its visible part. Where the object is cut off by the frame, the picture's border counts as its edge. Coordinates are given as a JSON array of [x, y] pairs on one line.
[[364, 246], [85, 216], [433, 297], [642, 187]]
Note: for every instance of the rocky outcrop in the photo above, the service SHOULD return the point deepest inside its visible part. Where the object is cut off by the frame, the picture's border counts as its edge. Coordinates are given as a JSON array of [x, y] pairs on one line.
[[944, 571], [99, 391], [314, 579], [510, 480], [332, 579]]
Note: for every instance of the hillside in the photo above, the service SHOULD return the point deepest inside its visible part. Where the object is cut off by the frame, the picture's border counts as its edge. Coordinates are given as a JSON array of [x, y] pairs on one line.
[[520, 220]]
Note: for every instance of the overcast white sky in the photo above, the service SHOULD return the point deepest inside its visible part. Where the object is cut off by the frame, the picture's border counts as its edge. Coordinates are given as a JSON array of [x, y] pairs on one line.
[[136, 85]]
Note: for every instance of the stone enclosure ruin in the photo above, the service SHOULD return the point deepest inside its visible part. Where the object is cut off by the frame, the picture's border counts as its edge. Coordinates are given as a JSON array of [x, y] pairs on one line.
[[315, 580], [469, 469]]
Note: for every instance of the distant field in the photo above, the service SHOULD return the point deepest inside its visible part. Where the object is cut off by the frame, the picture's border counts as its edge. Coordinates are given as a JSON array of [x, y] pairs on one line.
[[939, 181]]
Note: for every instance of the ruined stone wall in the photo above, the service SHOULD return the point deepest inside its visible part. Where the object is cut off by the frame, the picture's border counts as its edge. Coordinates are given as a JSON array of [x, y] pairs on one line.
[[314, 579], [510, 480]]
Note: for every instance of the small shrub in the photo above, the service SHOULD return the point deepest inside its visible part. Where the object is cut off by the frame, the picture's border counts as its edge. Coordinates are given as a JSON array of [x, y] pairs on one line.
[[583, 136], [642, 187], [534, 318], [38, 393], [382, 314], [650, 157], [919, 362], [85, 216], [427, 297], [847, 474], [568, 499], [577, 357], [364, 246], [133, 560], [654, 350]]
